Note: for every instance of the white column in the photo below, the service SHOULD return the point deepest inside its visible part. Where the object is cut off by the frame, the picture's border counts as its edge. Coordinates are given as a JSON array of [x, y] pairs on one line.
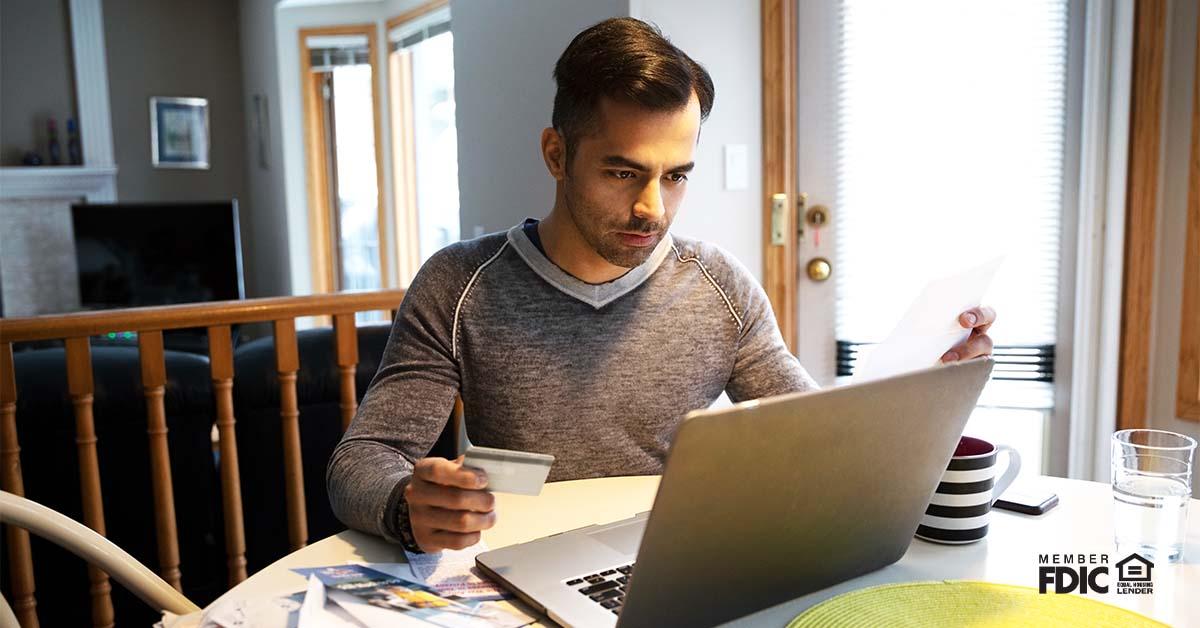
[[91, 82], [1099, 259]]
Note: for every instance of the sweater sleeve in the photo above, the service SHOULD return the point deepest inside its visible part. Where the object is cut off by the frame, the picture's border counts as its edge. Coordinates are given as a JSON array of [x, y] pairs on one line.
[[405, 407], [764, 366]]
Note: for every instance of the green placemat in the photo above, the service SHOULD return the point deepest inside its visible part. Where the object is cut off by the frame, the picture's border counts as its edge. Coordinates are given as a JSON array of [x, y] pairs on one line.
[[963, 603]]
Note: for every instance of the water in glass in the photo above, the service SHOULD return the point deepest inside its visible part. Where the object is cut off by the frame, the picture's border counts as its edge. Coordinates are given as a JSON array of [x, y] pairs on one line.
[[1149, 516]]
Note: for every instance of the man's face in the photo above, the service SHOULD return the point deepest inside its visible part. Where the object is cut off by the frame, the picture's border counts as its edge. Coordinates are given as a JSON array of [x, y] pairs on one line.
[[625, 182]]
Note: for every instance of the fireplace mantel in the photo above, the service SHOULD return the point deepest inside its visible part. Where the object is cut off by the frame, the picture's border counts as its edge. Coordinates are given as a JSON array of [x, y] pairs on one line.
[[96, 184]]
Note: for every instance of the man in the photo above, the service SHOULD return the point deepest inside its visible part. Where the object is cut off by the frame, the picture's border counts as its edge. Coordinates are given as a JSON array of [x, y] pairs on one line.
[[588, 335]]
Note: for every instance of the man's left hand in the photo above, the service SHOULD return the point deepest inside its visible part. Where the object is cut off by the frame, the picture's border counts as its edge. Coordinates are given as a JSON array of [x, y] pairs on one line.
[[978, 320]]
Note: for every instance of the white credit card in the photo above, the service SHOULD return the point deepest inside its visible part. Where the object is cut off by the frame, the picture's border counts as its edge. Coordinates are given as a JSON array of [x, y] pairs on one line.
[[509, 471]]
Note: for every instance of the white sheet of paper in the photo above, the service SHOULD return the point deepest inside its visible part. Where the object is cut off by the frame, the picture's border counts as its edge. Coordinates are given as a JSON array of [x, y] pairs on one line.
[[453, 572], [930, 327], [243, 612], [315, 613]]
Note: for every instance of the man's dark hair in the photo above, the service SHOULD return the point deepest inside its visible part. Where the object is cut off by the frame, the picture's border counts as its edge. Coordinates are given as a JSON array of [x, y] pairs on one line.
[[623, 59]]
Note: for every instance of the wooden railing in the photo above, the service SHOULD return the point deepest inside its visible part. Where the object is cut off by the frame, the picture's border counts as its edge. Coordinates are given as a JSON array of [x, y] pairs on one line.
[[149, 323]]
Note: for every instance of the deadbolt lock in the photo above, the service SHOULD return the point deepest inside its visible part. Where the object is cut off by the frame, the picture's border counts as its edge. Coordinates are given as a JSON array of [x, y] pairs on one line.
[[817, 216]]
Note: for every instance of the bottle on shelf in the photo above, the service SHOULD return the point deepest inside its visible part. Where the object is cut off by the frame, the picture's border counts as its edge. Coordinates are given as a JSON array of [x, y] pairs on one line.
[[52, 146], [74, 152]]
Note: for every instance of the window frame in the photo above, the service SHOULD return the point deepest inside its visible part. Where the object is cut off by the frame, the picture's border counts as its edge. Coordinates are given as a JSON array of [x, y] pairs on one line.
[[321, 231]]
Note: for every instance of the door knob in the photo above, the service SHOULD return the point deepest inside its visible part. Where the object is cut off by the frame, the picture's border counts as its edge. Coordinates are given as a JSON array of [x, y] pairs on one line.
[[819, 269]]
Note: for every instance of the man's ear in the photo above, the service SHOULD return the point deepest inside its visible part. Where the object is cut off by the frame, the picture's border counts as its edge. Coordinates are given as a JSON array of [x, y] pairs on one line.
[[554, 151]]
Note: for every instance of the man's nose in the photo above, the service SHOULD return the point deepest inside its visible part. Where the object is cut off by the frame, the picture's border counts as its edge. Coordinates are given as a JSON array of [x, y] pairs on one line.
[[649, 204]]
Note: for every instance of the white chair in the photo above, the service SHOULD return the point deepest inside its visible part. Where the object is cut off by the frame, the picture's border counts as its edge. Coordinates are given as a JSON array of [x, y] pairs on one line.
[[95, 549]]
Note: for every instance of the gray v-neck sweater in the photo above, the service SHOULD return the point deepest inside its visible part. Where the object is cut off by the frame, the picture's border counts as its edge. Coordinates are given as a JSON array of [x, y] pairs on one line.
[[599, 375]]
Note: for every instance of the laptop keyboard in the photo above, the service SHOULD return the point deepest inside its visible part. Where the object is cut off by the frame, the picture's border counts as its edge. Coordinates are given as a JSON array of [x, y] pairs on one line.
[[606, 588]]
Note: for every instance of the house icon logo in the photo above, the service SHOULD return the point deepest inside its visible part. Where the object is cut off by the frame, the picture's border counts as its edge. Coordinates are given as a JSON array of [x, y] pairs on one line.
[[1133, 575], [1134, 568]]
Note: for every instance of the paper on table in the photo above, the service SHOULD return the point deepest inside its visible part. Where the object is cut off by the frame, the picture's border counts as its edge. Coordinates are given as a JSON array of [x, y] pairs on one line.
[[930, 327], [314, 613], [246, 613], [370, 615], [473, 615], [375, 598], [453, 572]]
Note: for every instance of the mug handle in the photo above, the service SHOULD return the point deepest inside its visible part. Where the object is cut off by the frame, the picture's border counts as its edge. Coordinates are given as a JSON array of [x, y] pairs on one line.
[[1010, 473]]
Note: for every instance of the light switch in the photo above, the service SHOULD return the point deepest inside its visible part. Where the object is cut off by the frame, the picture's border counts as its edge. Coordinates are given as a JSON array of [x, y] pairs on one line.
[[478, 230], [736, 165]]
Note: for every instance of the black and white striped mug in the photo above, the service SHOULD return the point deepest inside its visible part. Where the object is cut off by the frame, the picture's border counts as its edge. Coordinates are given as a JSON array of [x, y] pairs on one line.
[[961, 506]]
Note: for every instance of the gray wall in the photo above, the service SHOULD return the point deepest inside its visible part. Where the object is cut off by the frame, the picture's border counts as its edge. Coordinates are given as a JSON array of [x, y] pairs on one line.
[[1172, 223], [178, 49], [37, 76], [504, 53], [265, 218], [725, 37]]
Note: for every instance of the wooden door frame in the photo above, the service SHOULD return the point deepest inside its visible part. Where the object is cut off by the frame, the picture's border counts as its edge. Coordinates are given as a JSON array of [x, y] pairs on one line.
[[320, 236], [414, 13], [404, 173], [780, 155], [1148, 105], [1187, 388], [1145, 147]]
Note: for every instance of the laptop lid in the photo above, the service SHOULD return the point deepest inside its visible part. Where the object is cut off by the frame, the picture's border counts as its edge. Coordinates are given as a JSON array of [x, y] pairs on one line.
[[772, 499]]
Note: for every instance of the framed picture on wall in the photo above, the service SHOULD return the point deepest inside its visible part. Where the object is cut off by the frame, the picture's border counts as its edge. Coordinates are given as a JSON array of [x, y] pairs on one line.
[[179, 132]]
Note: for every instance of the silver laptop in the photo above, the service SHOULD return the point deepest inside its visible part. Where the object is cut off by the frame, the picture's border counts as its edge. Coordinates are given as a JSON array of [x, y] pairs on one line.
[[787, 495]]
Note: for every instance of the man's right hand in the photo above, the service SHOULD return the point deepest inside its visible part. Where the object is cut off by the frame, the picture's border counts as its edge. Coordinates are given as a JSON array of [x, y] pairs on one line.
[[447, 506]]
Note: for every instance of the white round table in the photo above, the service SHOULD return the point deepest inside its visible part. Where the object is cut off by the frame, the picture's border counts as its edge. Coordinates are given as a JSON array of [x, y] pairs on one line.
[[1080, 524]]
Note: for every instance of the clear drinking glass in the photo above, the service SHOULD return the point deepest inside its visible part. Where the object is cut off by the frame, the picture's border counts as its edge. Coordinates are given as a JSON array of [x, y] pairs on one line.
[[1152, 482]]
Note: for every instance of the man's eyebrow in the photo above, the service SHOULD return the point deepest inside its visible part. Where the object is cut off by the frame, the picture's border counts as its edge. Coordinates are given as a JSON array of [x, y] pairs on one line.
[[617, 160]]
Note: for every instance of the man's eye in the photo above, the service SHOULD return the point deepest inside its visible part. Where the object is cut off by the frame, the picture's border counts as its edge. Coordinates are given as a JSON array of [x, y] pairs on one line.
[[622, 174], [678, 177]]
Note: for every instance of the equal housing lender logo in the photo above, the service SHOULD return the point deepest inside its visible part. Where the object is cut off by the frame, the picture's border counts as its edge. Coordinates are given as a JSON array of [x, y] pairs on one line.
[[1090, 573]]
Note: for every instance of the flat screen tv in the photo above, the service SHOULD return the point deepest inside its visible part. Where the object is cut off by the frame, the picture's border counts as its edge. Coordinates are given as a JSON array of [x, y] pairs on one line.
[[138, 254]]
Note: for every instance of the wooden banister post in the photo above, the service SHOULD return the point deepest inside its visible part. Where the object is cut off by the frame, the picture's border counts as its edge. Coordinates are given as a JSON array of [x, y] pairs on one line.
[[20, 559], [154, 378], [220, 353], [287, 363], [81, 388], [346, 339]]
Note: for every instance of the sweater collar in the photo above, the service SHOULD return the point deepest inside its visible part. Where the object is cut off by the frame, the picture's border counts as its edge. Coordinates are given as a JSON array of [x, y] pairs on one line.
[[595, 295]]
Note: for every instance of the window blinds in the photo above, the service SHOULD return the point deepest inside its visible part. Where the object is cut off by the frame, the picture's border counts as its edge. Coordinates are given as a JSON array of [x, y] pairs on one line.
[[949, 151], [418, 30], [329, 51]]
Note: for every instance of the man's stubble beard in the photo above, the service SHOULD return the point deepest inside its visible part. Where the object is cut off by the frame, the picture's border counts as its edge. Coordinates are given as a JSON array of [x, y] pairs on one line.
[[590, 224]]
